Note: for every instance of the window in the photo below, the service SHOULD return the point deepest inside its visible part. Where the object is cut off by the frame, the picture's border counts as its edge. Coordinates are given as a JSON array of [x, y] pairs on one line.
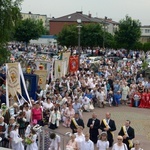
[[147, 30]]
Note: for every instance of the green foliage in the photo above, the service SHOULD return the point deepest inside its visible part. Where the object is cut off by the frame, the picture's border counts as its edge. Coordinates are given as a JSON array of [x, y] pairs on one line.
[[91, 35], [29, 29], [144, 65], [4, 54], [9, 17], [128, 34], [146, 46], [68, 36]]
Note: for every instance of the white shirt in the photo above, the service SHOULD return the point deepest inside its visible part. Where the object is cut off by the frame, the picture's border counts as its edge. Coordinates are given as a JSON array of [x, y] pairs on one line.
[[88, 145], [116, 147], [79, 139], [55, 142], [28, 115]]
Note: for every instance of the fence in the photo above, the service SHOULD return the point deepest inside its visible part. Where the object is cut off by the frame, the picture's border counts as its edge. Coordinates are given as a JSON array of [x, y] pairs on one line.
[[44, 138]]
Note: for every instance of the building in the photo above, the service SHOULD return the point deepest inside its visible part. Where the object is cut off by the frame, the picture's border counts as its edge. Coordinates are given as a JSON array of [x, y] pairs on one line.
[[48, 40], [37, 17], [145, 34], [57, 24]]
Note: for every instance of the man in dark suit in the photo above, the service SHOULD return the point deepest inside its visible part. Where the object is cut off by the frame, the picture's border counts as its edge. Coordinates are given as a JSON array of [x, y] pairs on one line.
[[75, 122], [108, 125], [93, 124], [127, 132]]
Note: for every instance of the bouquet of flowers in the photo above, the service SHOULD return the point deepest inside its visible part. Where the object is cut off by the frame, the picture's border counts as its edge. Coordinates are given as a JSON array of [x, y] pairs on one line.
[[28, 140]]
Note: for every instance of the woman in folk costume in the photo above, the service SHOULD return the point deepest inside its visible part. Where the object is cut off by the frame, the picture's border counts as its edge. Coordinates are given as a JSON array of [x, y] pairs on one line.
[[16, 141], [32, 138], [54, 119], [69, 114], [5, 113]]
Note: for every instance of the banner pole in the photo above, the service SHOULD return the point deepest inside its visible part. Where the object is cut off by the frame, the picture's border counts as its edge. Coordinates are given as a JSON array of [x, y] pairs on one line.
[[7, 97]]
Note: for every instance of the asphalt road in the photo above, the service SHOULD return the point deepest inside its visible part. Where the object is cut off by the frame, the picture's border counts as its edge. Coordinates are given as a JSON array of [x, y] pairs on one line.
[[139, 117]]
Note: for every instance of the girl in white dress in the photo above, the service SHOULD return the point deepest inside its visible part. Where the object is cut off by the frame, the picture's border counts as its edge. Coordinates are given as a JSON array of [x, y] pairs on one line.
[[32, 137], [102, 143], [80, 137], [16, 141]]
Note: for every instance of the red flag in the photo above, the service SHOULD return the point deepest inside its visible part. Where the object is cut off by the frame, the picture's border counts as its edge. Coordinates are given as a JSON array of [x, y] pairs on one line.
[[73, 63]]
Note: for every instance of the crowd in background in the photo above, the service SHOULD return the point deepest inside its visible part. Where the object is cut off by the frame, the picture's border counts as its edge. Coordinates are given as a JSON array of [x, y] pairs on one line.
[[64, 101]]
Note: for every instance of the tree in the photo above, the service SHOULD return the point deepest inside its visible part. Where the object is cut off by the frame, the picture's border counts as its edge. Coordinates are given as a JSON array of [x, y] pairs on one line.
[[68, 36], [9, 17], [128, 34], [29, 29]]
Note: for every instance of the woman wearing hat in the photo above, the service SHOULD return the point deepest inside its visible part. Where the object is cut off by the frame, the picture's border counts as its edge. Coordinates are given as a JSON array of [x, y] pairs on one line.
[[102, 143]]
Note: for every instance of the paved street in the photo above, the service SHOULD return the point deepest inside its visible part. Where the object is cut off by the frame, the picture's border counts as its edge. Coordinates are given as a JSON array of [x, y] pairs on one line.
[[140, 121]]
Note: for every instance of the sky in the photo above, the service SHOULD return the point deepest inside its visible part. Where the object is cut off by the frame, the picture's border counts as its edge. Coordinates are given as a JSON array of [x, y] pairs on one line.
[[115, 9]]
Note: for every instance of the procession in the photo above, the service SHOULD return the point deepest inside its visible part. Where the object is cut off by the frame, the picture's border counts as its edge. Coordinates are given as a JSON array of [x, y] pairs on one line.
[[40, 96]]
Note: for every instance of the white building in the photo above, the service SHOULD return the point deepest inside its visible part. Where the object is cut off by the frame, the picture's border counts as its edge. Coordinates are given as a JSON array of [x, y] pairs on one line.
[[145, 34], [45, 40]]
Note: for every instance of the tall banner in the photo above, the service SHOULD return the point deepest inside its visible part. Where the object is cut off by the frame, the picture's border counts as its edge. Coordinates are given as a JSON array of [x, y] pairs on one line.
[[13, 82], [60, 68], [45, 65], [42, 77], [73, 63], [31, 81], [65, 56], [13, 79]]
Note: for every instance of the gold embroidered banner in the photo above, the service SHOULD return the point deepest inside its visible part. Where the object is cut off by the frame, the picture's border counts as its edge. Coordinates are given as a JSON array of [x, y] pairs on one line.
[[13, 79], [66, 57], [60, 68], [42, 78]]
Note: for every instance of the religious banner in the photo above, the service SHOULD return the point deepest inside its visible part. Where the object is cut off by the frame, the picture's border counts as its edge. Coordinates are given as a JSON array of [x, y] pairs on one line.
[[31, 81], [45, 65], [73, 63], [60, 67], [42, 77], [65, 56], [13, 79]]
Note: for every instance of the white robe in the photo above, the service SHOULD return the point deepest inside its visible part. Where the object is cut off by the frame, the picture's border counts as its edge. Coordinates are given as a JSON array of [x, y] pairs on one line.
[[15, 136]]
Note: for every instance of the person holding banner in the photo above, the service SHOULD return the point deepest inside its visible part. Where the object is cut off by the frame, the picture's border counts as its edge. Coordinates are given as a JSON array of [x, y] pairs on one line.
[[127, 132]]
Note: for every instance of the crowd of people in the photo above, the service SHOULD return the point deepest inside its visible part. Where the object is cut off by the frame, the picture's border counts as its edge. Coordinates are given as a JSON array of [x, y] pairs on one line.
[[66, 99]]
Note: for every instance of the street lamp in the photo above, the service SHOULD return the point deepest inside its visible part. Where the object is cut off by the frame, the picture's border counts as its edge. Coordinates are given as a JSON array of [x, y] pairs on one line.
[[79, 33], [104, 26]]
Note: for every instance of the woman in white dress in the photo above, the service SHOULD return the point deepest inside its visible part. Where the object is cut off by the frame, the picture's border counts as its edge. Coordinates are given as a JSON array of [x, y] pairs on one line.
[[119, 145], [32, 137], [16, 141], [80, 137], [102, 143]]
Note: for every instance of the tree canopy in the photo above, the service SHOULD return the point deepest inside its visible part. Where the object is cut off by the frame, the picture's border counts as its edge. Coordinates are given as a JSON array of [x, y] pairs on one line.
[[91, 36], [9, 17], [128, 34], [29, 29]]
